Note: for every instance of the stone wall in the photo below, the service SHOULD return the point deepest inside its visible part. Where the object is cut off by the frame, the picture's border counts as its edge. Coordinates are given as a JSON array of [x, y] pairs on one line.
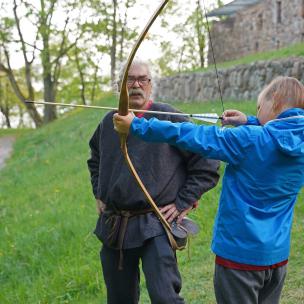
[[243, 82], [268, 25]]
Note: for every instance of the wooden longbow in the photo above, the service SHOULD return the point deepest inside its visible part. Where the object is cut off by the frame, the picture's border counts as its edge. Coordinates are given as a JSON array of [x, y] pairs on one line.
[[123, 109]]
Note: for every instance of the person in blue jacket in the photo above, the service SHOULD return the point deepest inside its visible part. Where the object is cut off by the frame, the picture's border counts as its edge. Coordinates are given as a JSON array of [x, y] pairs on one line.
[[263, 177]]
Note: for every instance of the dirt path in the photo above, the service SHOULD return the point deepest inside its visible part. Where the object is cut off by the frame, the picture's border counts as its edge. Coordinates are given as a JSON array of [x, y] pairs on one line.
[[6, 148]]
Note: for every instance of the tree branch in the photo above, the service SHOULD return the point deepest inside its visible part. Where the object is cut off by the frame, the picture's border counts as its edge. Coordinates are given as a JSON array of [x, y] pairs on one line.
[[24, 52]]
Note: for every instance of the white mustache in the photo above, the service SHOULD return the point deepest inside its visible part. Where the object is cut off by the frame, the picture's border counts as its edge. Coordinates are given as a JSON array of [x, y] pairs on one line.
[[136, 92]]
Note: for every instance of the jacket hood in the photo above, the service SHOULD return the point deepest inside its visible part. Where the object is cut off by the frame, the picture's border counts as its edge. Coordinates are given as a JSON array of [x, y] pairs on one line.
[[288, 131]]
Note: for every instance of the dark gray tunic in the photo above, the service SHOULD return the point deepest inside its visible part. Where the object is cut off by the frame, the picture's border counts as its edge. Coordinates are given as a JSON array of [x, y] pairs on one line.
[[169, 174]]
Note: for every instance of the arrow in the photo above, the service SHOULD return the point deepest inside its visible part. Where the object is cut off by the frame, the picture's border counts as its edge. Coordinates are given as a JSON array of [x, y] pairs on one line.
[[207, 117]]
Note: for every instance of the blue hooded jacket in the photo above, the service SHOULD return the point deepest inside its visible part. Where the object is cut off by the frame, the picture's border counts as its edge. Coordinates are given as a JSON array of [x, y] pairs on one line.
[[263, 176]]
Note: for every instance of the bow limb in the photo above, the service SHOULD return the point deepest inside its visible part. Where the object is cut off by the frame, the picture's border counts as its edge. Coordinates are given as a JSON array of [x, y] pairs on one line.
[[123, 109], [124, 96]]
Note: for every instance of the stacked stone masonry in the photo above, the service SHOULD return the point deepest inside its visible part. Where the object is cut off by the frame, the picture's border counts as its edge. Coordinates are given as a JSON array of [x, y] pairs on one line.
[[243, 82], [268, 25]]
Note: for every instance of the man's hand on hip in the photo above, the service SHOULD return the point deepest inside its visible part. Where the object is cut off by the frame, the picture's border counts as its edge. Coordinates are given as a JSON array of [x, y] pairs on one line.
[[100, 206], [171, 213]]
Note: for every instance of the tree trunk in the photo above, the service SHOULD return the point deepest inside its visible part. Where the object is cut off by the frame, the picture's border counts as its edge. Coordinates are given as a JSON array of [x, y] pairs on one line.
[[200, 33], [7, 119], [33, 114], [48, 83], [49, 110], [4, 106], [21, 122], [29, 106], [95, 79], [82, 81], [114, 43]]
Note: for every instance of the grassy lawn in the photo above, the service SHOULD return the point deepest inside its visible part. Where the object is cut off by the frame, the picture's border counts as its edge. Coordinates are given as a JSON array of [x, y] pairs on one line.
[[12, 132], [48, 253], [296, 50]]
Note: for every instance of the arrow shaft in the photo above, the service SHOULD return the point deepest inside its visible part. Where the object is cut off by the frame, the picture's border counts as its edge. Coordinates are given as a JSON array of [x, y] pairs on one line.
[[115, 109]]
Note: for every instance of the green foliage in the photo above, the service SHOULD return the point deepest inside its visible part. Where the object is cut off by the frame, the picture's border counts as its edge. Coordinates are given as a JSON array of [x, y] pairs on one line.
[[9, 103], [102, 26], [48, 253], [296, 50], [6, 26], [187, 50]]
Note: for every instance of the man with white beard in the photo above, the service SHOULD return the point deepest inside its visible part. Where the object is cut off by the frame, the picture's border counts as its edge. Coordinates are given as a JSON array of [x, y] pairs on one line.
[[175, 179]]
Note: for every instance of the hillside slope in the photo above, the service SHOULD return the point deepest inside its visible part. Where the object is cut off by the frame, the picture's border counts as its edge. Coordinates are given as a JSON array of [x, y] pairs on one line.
[[48, 253]]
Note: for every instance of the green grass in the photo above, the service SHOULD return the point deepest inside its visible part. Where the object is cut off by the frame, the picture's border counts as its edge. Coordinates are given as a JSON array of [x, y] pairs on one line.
[[12, 132], [48, 253], [296, 50]]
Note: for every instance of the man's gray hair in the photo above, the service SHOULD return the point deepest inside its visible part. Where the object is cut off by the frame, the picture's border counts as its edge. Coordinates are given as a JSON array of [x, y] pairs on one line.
[[136, 61]]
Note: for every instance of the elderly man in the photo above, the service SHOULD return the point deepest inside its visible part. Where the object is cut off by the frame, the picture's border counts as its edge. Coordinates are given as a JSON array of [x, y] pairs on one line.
[[127, 226]]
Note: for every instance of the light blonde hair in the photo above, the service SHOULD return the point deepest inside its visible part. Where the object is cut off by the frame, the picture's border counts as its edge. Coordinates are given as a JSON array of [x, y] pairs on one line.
[[284, 92]]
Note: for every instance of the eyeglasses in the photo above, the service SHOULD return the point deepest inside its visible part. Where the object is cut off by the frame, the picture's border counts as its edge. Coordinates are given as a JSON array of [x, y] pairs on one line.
[[143, 81]]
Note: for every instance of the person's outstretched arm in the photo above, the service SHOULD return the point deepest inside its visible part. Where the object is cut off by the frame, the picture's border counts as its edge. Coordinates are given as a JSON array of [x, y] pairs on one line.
[[212, 142], [237, 118]]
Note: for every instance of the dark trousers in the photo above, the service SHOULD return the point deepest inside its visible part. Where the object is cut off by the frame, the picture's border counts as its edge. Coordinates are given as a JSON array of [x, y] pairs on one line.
[[159, 266], [248, 287]]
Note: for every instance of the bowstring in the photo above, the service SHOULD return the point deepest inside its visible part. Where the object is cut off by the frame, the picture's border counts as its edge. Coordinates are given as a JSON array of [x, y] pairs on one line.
[[213, 56]]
